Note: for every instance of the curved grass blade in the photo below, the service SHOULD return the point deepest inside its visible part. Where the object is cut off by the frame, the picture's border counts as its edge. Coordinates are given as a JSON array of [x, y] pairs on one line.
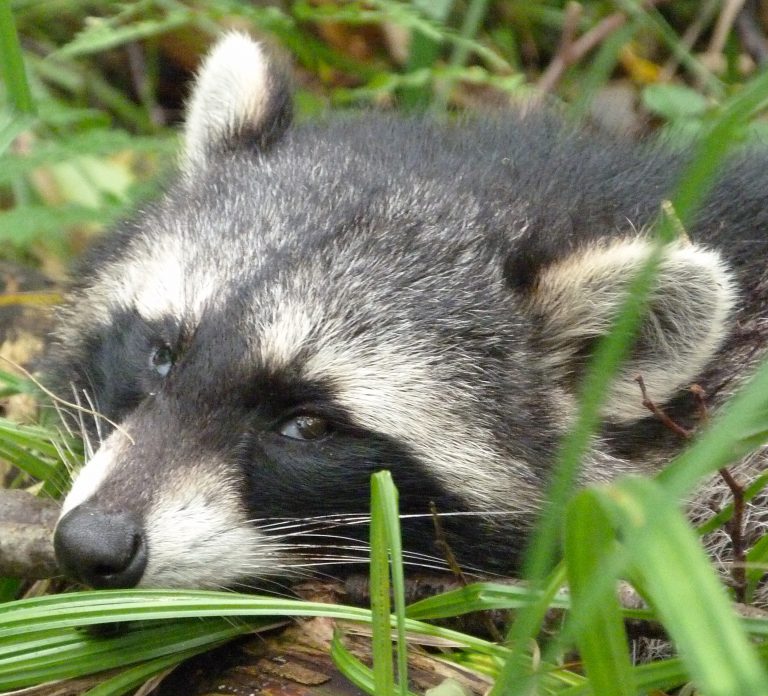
[[73, 653], [695, 182], [383, 677], [603, 645], [136, 676], [675, 572], [354, 670]]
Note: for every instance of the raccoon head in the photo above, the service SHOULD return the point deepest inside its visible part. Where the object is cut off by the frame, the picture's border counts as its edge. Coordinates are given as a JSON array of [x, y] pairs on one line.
[[306, 306]]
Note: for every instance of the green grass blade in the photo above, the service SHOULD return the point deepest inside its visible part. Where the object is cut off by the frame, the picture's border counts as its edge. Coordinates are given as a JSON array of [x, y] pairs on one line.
[[9, 589], [738, 429], [385, 501], [476, 11], [73, 653], [354, 670], [383, 677], [602, 640], [103, 36], [11, 125], [424, 51], [757, 566], [134, 677], [481, 596], [473, 18], [607, 359], [661, 675], [35, 616], [679, 580], [28, 463], [32, 437], [12, 62], [695, 182]]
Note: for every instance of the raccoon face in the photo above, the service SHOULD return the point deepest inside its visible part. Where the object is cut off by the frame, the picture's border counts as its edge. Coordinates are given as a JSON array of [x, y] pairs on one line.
[[307, 306]]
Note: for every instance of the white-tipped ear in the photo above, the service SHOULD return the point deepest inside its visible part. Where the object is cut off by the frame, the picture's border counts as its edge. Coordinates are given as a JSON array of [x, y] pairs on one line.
[[238, 99], [578, 298]]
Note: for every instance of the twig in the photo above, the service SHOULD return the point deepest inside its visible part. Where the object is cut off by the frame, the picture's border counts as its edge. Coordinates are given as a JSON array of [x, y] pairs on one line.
[[26, 535], [660, 414], [690, 37], [455, 568], [734, 526], [751, 36], [563, 58], [725, 20], [572, 50]]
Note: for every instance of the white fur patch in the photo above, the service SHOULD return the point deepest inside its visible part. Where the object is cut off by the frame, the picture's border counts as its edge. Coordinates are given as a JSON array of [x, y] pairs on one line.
[[198, 536], [152, 281], [155, 280], [232, 89], [282, 338], [92, 474], [693, 298]]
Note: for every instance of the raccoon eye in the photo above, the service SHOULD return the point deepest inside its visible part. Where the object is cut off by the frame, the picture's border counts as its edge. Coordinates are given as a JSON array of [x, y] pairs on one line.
[[161, 360], [305, 428]]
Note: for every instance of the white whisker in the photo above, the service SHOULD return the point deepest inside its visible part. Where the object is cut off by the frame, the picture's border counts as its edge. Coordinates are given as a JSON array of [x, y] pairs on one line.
[[96, 420]]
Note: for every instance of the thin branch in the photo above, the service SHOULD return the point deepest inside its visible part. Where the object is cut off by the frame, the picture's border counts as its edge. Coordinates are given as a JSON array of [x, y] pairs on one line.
[[734, 526], [572, 50], [26, 535], [450, 558], [563, 58], [752, 36], [660, 414], [725, 20], [690, 37]]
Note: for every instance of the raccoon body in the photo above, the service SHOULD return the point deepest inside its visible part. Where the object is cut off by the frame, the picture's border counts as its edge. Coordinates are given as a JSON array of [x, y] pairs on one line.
[[308, 305]]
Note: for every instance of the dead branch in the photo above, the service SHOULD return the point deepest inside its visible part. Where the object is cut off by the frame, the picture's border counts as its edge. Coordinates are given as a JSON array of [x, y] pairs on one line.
[[564, 56], [734, 526], [752, 37], [690, 37], [453, 563], [26, 535], [660, 414], [725, 20], [572, 50]]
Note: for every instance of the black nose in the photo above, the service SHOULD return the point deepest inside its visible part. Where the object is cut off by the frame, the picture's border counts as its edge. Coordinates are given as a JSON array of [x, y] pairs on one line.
[[101, 549]]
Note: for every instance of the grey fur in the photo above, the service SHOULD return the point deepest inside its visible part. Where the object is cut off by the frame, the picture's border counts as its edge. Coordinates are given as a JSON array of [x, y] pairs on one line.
[[432, 290]]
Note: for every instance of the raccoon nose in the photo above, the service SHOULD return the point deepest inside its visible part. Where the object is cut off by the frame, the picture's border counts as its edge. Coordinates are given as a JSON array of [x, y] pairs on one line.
[[101, 549]]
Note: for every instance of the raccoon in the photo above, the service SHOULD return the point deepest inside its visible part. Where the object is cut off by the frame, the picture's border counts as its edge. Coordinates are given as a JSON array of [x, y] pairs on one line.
[[306, 305]]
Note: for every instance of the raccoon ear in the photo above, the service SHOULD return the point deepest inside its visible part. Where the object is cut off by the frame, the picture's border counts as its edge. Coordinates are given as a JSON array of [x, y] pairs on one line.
[[239, 100], [576, 299]]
